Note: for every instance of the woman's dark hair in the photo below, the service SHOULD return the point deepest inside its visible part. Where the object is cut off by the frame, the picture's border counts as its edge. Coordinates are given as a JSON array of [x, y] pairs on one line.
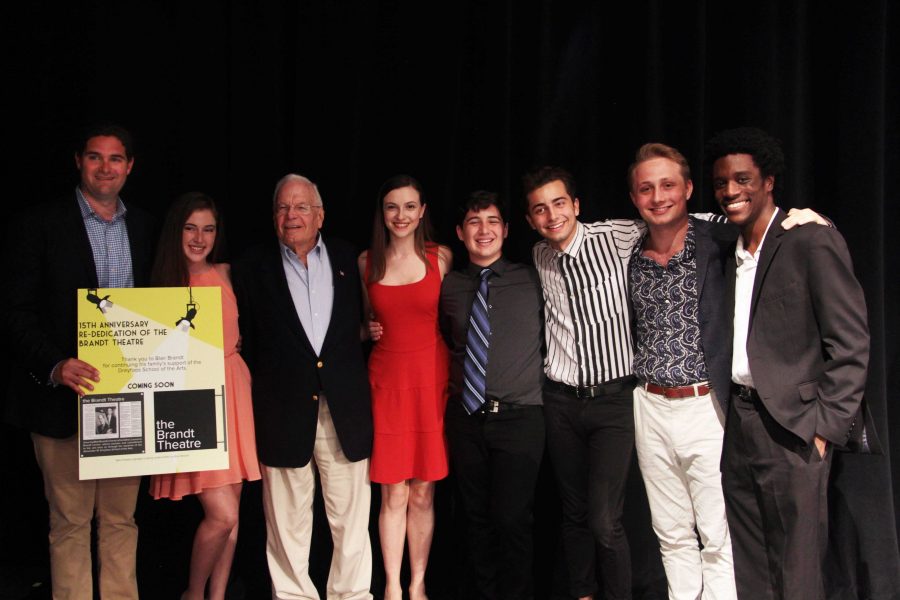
[[170, 267], [424, 239]]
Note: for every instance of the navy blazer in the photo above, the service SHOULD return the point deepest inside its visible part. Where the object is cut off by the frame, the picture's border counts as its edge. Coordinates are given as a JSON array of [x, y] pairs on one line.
[[48, 257], [288, 375], [713, 243]]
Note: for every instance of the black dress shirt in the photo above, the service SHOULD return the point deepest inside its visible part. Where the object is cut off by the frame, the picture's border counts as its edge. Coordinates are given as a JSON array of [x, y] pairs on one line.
[[515, 372]]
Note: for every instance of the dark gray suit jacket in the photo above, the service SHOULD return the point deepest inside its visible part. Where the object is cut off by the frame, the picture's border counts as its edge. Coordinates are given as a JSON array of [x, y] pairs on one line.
[[47, 258], [713, 242], [808, 341]]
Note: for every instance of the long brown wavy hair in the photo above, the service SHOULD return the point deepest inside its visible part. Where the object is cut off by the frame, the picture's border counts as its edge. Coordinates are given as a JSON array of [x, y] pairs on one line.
[[170, 266], [424, 239]]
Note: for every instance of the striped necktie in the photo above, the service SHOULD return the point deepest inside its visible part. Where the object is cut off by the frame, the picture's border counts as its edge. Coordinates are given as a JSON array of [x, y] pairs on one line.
[[478, 339]]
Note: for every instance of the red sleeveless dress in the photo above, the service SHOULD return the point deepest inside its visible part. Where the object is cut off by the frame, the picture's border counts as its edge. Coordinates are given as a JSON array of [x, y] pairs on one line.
[[408, 372]]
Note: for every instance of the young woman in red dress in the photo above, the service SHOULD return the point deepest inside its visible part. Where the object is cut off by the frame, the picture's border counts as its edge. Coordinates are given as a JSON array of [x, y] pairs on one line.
[[186, 256], [408, 371]]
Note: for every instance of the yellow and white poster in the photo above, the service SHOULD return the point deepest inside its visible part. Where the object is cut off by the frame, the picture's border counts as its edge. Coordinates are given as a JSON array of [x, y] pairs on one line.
[[159, 406]]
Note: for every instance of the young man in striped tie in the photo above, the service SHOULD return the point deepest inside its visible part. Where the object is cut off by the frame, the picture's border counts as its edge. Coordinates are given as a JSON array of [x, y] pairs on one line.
[[491, 318]]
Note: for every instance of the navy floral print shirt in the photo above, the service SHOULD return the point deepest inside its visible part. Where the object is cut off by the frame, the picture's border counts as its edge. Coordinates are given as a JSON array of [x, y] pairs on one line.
[[668, 350]]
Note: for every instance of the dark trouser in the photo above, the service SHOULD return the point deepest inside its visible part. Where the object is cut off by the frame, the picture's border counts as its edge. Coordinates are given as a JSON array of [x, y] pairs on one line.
[[591, 442], [495, 458], [776, 501]]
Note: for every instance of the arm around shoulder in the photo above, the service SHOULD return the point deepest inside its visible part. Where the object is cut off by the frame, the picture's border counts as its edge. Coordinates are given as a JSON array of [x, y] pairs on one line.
[[224, 270], [361, 265], [445, 260], [369, 329]]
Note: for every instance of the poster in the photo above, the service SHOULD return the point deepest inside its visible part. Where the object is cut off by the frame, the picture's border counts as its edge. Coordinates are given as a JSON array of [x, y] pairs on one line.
[[159, 406]]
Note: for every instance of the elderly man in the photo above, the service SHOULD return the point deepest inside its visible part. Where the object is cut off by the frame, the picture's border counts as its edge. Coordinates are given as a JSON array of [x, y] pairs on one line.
[[300, 307], [89, 240]]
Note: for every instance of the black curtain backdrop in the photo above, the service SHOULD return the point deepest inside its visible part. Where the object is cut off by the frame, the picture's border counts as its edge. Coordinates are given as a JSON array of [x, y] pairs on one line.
[[226, 97]]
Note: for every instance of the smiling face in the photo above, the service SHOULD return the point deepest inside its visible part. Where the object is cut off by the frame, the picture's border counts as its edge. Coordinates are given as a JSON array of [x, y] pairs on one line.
[[741, 190], [660, 193], [552, 213], [104, 167], [402, 210], [198, 238], [298, 216], [482, 232]]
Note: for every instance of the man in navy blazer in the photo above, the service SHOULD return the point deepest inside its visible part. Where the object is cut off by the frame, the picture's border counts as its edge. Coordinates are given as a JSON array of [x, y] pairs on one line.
[[800, 354], [300, 318], [89, 240]]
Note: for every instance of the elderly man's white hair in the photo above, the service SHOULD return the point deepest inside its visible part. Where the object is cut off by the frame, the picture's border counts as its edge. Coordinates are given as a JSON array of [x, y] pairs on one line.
[[299, 179]]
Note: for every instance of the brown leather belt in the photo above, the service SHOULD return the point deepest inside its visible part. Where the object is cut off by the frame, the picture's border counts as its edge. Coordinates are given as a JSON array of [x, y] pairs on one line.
[[684, 391]]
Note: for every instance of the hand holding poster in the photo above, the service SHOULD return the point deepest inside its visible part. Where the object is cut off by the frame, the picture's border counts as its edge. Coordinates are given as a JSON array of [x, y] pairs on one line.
[[159, 404]]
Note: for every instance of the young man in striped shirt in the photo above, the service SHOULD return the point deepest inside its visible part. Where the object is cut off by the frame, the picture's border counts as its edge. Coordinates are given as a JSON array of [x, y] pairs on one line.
[[588, 393]]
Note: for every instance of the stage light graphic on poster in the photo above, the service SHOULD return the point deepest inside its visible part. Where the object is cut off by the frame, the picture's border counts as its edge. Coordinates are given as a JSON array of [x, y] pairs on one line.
[[160, 404]]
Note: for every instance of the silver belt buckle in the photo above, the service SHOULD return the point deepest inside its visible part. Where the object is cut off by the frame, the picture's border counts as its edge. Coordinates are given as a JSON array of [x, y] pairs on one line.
[[492, 406]]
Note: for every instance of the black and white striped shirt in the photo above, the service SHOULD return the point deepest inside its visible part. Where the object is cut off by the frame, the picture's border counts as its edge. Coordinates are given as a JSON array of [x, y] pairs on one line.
[[588, 326]]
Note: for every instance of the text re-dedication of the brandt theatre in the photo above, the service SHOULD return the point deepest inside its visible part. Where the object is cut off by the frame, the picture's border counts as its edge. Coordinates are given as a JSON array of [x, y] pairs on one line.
[[160, 404]]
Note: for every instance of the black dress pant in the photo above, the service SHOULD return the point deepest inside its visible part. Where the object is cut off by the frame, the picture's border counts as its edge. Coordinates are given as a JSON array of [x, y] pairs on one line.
[[495, 459], [591, 442], [776, 501]]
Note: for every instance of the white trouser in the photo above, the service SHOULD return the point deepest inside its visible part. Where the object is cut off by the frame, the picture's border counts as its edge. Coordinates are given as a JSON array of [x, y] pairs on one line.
[[679, 448], [288, 505]]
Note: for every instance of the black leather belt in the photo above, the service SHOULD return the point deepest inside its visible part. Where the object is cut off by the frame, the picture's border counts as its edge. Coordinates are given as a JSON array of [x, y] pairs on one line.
[[587, 392], [495, 406], [744, 392]]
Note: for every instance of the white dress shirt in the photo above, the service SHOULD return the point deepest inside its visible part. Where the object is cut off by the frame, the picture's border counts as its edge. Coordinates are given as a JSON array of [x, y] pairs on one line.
[[743, 294]]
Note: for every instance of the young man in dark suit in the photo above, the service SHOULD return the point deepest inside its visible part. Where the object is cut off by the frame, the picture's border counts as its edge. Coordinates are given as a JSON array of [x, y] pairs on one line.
[[300, 316], [800, 354], [89, 240]]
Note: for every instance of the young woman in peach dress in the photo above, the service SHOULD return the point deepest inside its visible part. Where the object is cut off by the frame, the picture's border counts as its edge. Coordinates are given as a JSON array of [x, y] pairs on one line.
[[186, 256]]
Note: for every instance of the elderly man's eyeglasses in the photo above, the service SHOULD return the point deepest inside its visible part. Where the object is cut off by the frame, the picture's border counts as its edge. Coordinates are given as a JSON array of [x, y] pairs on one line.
[[302, 209]]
